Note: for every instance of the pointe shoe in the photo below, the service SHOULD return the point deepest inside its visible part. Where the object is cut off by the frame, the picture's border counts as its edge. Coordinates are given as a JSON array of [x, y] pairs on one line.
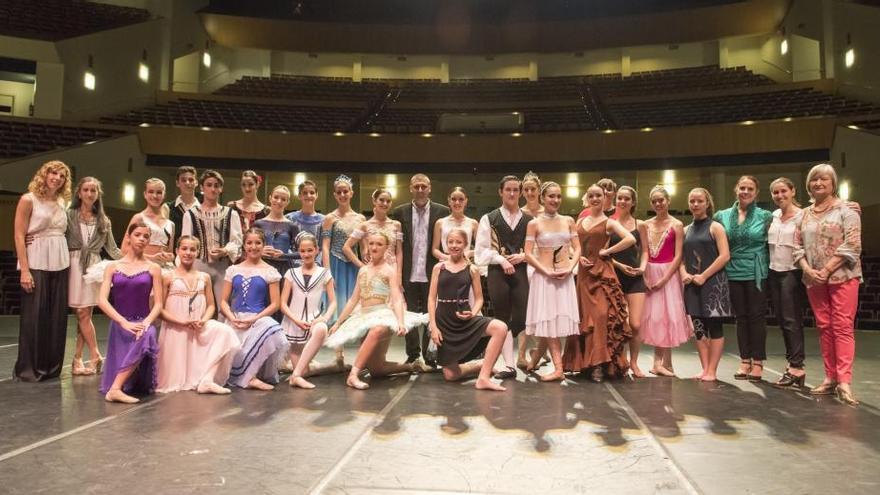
[[77, 368], [824, 389], [847, 397], [98, 364], [212, 388], [258, 384], [117, 395]]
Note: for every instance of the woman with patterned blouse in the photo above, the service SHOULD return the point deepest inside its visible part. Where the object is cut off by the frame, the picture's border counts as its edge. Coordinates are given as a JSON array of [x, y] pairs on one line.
[[828, 243]]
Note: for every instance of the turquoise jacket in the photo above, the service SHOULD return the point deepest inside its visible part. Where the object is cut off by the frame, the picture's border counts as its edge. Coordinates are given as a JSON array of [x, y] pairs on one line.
[[749, 258]]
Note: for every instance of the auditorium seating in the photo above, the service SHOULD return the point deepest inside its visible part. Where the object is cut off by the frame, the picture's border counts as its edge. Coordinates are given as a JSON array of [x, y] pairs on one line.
[[53, 20], [239, 115], [19, 138], [673, 97], [733, 108]]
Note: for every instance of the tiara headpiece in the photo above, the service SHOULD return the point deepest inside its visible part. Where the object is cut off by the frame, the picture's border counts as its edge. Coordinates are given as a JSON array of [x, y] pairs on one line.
[[343, 178]]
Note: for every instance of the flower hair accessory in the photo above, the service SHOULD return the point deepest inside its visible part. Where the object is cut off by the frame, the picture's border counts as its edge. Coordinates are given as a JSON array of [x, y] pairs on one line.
[[343, 178]]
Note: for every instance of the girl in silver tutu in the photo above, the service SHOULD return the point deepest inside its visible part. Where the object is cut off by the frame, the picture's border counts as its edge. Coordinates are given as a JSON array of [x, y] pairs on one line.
[[377, 292]]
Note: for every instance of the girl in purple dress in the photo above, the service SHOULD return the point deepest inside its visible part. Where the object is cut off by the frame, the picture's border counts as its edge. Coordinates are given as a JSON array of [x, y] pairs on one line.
[[132, 348]]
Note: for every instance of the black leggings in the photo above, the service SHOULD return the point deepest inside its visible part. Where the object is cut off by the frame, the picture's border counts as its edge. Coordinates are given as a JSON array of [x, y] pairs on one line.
[[708, 328], [788, 296], [509, 295], [750, 307]]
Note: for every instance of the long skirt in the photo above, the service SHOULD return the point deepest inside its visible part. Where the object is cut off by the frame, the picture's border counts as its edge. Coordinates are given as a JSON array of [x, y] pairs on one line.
[[664, 321], [125, 351], [552, 309], [42, 327], [186, 355], [344, 277], [263, 351]]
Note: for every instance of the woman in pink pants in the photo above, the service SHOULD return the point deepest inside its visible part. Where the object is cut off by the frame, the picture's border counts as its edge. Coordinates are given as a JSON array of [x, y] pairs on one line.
[[827, 247]]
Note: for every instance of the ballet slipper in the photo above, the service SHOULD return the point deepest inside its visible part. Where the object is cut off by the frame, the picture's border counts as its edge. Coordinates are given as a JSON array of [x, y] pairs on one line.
[[555, 376], [208, 387], [661, 371], [354, 382], [300, 382], [486, 384], [258, 384], [117, 395]]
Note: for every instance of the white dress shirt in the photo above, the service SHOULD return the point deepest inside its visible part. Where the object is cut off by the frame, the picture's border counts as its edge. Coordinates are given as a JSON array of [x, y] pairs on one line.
[[484, 254], [420, 243]]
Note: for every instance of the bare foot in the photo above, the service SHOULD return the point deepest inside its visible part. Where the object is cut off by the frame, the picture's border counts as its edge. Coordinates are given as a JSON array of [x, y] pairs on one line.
[[637, 372], [258, 384], [482, 384], [699, 376], [298, 381], [212, 388], [708, 378], [661, 371], [354, 382], [116, 395], [552, 377]]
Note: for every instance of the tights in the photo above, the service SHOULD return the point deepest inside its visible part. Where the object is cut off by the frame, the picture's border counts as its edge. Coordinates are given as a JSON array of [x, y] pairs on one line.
[[509, 295]]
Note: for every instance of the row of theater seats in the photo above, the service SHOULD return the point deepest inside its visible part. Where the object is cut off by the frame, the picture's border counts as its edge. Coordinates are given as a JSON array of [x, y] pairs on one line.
[[733, 108], [702, 78], [54, 20], [18, 139], [237, 115], [664, 113]]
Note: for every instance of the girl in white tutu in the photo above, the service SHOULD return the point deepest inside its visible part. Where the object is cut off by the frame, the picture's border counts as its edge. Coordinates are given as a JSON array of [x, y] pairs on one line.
[[551, 247], [664, 322], [377, 292], [305, 318]]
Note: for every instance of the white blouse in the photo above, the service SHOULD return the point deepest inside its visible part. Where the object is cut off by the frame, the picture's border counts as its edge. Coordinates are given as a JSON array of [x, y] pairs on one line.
[[781, 240], [48, 246]]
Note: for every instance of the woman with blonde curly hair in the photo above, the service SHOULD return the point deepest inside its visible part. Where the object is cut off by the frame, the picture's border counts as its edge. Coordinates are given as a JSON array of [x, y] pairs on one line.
[[40, 224]]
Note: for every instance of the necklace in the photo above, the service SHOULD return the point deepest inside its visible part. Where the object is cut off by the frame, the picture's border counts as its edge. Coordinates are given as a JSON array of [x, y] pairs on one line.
[[550, 216], [828, 206]]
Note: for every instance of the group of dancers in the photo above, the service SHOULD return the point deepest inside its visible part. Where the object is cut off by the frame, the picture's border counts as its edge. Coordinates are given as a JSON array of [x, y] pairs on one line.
[[589, 290]]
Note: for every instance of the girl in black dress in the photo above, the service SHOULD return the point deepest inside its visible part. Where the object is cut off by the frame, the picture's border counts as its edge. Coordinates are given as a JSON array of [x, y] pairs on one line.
[[457, 328]]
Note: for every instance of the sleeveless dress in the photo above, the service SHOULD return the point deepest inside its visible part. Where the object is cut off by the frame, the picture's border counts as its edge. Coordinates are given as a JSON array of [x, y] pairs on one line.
[[131, 298], [372, 286], [552, 309], [306, 300], [185, 355], [463, 340], [604, 332], [664, 321], [263, 346], [712, 299], [344, 271], [630, 257], [281, 235], [308, 223], [82, 294]]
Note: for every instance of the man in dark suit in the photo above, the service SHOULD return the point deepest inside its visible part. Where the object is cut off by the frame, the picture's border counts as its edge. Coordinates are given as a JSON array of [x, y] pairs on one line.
[[417, 219]]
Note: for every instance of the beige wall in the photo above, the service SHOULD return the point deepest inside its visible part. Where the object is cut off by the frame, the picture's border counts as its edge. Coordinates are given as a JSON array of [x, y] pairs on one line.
[[584, 63], [324, 65], [646, 58], [414, 67], [23, 94]]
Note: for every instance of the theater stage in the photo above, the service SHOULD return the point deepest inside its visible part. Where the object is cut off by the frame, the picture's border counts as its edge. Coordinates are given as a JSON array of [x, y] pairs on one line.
[[417, 434]]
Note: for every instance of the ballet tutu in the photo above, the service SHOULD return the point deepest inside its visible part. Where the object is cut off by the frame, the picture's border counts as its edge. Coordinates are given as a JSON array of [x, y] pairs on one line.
[[664, 321], [359, 323], [552, 310]]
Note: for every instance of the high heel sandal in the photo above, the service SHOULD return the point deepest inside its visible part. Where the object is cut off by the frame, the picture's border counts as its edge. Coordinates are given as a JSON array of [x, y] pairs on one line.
[[824, 389], [790, 381], [740, 375], [847, 397], [756, 378]]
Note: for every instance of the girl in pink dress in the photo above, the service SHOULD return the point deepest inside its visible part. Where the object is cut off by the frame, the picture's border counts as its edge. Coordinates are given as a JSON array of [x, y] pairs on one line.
[[195, 351], [664, 322]]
